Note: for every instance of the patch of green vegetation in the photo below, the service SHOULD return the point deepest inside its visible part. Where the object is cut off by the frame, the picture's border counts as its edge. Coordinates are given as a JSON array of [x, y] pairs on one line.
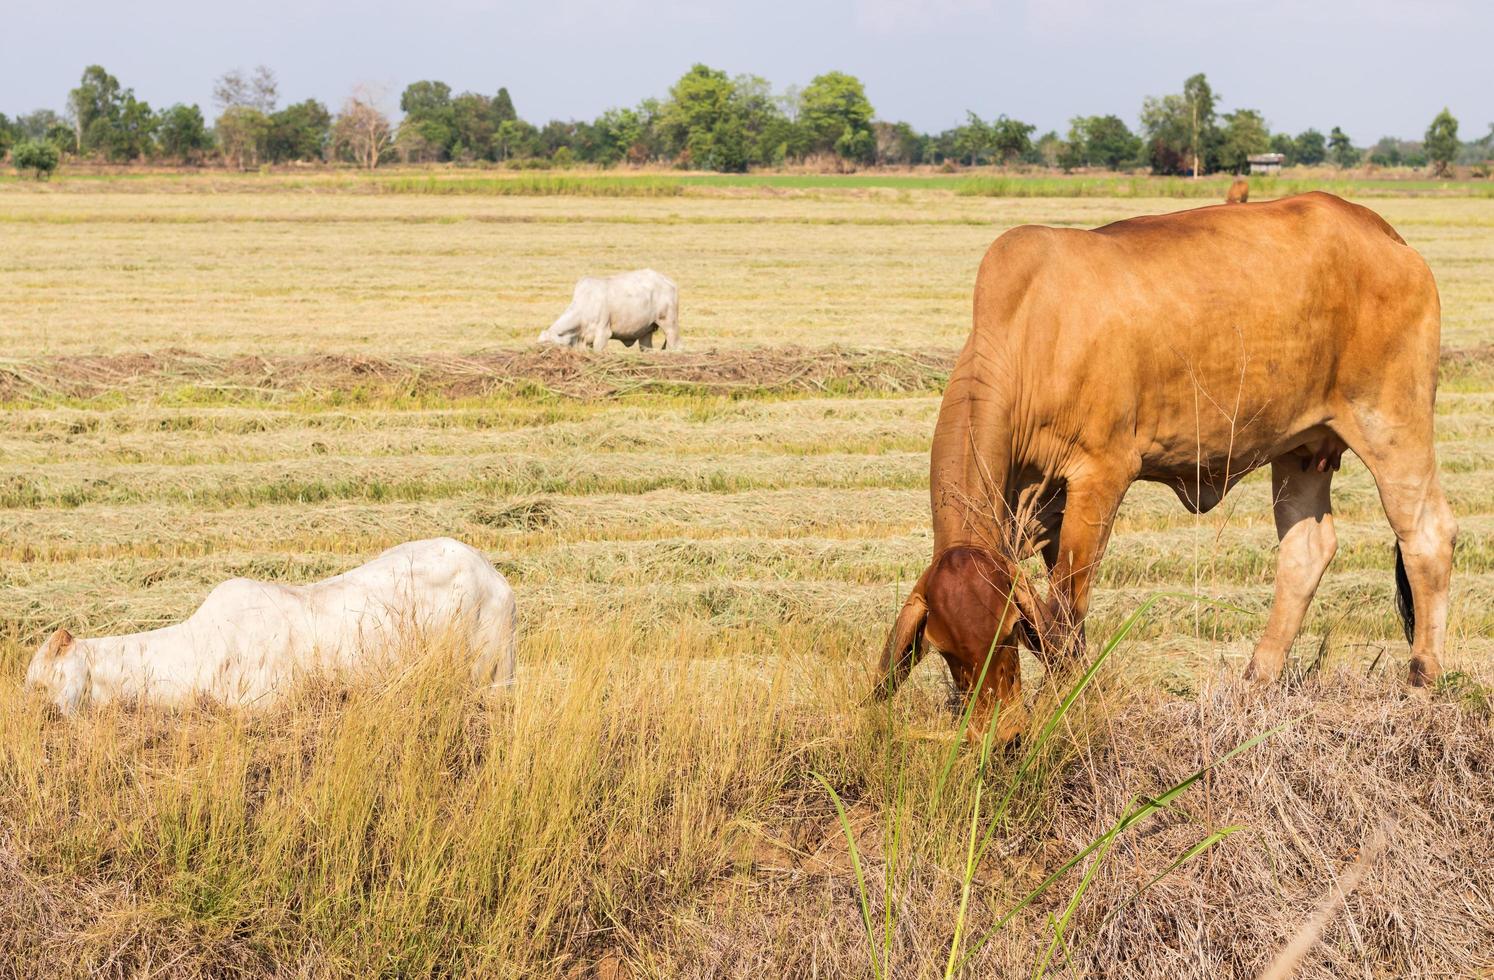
[[534, 185], [1212, 188], [1464, 689]]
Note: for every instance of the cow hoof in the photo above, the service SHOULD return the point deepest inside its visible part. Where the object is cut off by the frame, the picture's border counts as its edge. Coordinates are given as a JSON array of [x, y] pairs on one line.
[[1259, 675], [1422, 674]]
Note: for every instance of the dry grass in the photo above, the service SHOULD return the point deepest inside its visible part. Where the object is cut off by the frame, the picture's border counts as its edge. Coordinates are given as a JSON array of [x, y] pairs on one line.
[[1353, 758], [186, 377], [98, 269], [707, 548], [562, 373], [644, 798]]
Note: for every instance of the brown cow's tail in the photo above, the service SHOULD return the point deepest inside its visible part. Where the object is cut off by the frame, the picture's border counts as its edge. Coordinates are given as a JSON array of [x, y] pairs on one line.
[[904, 646], [1404, 603]]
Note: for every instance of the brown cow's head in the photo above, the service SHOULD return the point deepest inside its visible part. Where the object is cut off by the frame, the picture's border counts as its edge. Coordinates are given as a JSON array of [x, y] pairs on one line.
[[971, 605]]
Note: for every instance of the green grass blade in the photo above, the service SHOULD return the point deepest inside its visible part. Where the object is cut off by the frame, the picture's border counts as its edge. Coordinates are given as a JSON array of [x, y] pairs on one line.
[[968, 878], [1107, 840], [866, 916]]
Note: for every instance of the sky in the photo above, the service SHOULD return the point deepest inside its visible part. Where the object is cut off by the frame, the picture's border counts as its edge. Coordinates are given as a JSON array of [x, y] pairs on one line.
[[1374, 67]]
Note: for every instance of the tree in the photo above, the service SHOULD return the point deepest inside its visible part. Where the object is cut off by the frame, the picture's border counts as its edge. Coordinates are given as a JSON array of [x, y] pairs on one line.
[[1284, 144], [425, 99], [836, 114], [508, 138], [429, 129], [973, 140], [242, 134], [1341, 149], [244, 124], [299, 132], [181, 132], [768, 136], [1099, 141], [615, 133], [1389, 151], [1010, 138], [651, 144], [1386, 152], [1199, 99], [503, 108], [1166, 123], [472, 127], [697, 104], [717, 123], [1312, 148], [899, 143], [36, 155], [1442, 142], [94, 105], [1244, 134], [107, 118], [1181, 135], [1046, 149], [40, 124], [361, 129], [258, 91], [133, 136]]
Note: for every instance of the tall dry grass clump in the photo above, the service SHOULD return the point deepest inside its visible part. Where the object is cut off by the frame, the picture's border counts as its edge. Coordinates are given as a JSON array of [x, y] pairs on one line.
[[403, 824], [650, 798]]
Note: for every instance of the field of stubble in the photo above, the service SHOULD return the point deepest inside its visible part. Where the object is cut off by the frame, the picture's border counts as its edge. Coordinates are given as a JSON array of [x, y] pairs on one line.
[[706, 560]]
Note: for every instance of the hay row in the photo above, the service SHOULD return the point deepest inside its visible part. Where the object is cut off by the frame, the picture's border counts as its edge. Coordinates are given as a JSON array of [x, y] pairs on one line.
[[557, 372]]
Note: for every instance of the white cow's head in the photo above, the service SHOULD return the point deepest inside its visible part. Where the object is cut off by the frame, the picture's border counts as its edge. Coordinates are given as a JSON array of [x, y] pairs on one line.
[[564, 332], [60, 671]]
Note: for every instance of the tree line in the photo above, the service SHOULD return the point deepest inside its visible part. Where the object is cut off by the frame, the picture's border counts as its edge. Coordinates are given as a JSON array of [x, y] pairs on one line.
[[709, 120]]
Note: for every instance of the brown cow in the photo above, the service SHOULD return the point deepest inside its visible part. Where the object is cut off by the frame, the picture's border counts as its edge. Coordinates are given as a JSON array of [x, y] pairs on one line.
[[1239, 192], [1186, 349]]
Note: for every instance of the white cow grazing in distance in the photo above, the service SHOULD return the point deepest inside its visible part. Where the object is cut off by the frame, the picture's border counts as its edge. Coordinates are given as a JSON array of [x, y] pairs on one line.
[[248, 639], [629, 307]]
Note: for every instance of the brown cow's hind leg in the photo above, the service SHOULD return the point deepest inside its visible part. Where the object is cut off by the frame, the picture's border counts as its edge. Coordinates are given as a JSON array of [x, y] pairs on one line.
[[1304, 525], [1404, 465]]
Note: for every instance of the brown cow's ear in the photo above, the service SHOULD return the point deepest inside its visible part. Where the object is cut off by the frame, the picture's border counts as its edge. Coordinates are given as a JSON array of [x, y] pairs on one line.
[[904, 646], [58, 643]]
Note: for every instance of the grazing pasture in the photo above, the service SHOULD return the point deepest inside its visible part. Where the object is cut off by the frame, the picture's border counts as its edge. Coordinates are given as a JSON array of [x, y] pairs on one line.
[[283, 377]]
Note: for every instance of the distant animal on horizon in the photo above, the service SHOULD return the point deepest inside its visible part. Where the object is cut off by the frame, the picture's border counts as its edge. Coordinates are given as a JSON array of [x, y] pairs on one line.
[[248, 639], [629, 307], [1186, 349], [1239, 192]]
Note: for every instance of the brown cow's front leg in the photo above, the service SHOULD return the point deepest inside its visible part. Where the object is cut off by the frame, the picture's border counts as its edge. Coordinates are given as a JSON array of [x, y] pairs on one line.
[[1304, 526], [1088, 515]]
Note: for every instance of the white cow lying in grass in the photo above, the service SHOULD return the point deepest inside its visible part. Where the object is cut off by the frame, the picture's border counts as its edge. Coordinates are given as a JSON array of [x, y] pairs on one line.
[[629, 307], [248, 639]]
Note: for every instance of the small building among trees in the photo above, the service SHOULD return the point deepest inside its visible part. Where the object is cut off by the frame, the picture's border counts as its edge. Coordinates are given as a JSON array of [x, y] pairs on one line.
[[1265, 163]]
